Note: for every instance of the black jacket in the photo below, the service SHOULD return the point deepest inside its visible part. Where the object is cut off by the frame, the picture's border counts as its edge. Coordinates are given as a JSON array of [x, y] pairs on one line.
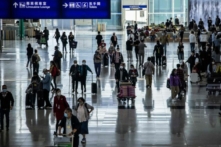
[[124, 76], [75, 71], [29, 51], [159, 50], [129, 45], [6, 101], [75, 124], [99, 38], [121, 59]]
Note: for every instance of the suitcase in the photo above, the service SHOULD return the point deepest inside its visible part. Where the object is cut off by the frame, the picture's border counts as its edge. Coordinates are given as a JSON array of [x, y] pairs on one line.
[[194, 78], [106, 60], [123, 92], [168, 83], [164, 60], [40, 99], [74, 44], [131, 91], [28, 99], [153, 60], [93, 87]]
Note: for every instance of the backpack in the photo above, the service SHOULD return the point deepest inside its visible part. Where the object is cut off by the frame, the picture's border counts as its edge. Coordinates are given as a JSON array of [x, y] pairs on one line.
[[35, 86], [60, 54], [34, 59]]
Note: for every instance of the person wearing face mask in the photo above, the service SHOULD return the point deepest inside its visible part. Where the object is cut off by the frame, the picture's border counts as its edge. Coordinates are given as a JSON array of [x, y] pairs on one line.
[[121, 75], [117, 58], [97, 63], [114, 40], [54, 73], [6, 104], [60, 104], [174, 84], [164, 41], [71, 126], [83, 72], [83, 113], [75, 74], [133, 74], [129, 47], [46, 88]]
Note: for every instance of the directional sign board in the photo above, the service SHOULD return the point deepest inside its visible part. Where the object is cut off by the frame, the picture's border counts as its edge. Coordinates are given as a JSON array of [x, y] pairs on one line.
[[55, 9]]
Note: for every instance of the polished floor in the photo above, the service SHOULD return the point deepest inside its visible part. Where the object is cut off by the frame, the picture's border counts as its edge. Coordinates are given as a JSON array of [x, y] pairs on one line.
[[152, 121]]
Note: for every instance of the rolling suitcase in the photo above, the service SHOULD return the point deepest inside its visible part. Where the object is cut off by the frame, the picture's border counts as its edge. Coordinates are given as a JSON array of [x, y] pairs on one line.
[[194, 78], [153, 60], [28, 99], [93, 87], [164, 60], [74, 44]]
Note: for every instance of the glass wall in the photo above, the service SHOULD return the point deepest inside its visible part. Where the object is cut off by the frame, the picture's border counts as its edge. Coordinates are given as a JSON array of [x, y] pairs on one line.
[[115, 21], [161, 10]]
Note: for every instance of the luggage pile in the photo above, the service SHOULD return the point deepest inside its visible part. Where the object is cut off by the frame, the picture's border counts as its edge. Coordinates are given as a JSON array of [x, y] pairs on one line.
[[127, 91], [214, 84]]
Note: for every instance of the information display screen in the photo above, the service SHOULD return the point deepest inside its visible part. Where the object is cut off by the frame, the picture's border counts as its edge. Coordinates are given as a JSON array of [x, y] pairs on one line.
[[55, 9]]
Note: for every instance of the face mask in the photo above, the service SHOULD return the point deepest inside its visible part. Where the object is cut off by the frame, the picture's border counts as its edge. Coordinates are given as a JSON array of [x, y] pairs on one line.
[[121, 67], [213, 62], [59, 94], [65, 115], [4, 90], [83, 63], [75, 64]]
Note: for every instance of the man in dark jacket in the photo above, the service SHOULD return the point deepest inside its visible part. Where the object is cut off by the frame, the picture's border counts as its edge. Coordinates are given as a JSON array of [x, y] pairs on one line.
[[217, 22], [99, 38], [121, 75], [57, 57], [7, 103], [75, 74], [46, 35], [71, 126], [135, 26], [83, 73], [158, 49], [191, 61], [129, 47]]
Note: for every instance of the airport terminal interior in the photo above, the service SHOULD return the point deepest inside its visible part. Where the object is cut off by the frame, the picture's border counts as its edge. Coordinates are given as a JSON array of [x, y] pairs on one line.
[[151, 120]]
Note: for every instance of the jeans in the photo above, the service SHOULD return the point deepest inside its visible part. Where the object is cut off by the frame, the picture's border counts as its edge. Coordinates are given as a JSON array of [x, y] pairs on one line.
[[148, 80], [129, 55], [141, 58], [29, 60], [57, 40], [74, 84], [64, 47], [192, 46], [36, 67], [180, 56], [5, 112], [152, 38], [54, 81], [97, 67], [158, 60], [117, 66], [83, 83], [165, 48], [46, 98]]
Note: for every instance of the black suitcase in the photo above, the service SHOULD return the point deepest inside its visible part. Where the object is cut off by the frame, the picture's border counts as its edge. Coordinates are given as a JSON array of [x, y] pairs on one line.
[[153, 59], [74, 44], [28, 99], [40, 99], [106, 60], [93, 87], [164, 60]]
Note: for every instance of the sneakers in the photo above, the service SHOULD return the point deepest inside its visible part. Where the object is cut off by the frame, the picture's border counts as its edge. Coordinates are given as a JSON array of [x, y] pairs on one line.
[[83, 140]]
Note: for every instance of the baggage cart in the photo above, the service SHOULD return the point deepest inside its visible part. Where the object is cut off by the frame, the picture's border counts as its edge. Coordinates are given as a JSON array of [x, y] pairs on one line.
[[63, 141], [127, 92]]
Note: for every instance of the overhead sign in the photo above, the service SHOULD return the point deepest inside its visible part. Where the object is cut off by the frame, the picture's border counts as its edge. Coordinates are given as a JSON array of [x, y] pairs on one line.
[[134, 7], [55, 9]]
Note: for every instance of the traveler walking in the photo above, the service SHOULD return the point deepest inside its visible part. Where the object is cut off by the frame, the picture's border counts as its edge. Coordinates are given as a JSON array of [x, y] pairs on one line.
[[148, 72], [117, 59], [121, 75], [75, 74], [46, 35], [141, 52], [71, 40], [99, 38], [83, 73], [64, 41], [180, 51], [97, 63], [57, 57], [35, 61], [29, 54], [54, 73], [83, 114], [192, 40], [129, 47], [164, 41], [57, 35], [6, 104], [133, 74], [46, 88], [114, 39], [158, 51], [174, 84], [59, 107]]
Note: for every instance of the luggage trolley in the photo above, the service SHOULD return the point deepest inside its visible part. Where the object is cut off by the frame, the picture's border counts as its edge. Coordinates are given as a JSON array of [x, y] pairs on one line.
[[62, 141], [127, 92]]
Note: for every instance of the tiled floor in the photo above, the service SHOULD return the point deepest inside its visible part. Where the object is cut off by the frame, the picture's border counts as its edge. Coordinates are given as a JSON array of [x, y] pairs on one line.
[[150, 122]]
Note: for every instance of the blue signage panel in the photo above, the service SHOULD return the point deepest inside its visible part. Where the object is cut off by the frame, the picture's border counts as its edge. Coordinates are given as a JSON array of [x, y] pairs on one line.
[[55, 9], [135, 6]]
